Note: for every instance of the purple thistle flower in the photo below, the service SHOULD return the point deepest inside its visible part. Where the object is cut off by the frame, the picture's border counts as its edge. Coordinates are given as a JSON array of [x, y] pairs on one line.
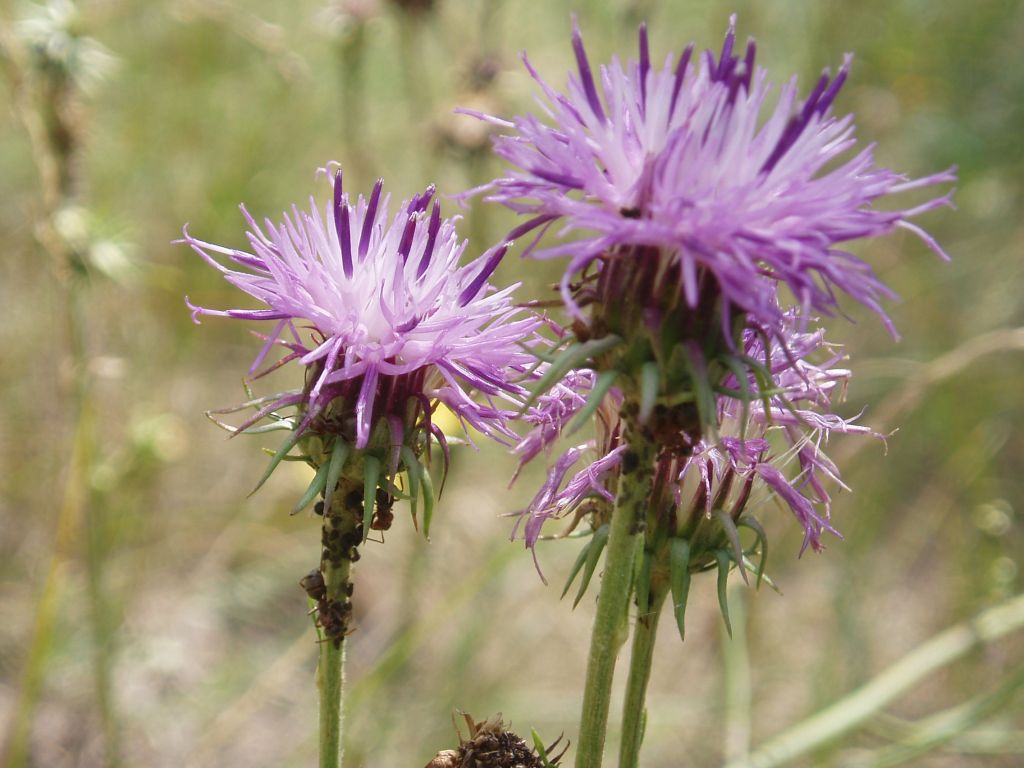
[[774, 442], [382, 315], [696, 158], [552, 413]]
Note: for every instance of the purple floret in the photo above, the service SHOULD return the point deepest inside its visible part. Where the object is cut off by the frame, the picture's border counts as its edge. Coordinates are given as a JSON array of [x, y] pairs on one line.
[[380, 311], [698, 159], [775, 443]]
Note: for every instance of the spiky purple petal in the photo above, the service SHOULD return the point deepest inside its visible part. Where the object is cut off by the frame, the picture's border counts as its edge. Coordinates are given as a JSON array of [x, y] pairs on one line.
[[702, 162], [406, 321]]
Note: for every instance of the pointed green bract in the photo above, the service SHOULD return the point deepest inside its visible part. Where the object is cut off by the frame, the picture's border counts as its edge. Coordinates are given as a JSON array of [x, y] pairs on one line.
[[543, 357], [577, 566], [565, 362], [412, 471], [723, 559], [765, 382], [605, 381], [371, 474], [276, 426], [734, 539], [593, 558], [748, 521], [254, 402], [339, 455], [427, 487], [316, 486], [679, 577], [254, 429], [542, 751], [288, 444]]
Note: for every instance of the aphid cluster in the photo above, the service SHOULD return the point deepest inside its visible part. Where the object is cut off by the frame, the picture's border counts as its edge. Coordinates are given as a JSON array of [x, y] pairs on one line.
[[340, 540], [332, 616]]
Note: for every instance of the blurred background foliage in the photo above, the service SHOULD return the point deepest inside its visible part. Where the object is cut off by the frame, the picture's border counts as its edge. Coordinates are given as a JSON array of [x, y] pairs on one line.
[[131, 560]]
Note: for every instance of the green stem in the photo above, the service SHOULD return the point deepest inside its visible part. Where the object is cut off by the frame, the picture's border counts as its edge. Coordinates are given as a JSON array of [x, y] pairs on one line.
[[330, 679], [634, 714], [340, 531], [610, 625]]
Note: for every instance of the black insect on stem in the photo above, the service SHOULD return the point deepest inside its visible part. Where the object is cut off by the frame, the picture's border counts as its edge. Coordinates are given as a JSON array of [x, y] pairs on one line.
[[313, 583]]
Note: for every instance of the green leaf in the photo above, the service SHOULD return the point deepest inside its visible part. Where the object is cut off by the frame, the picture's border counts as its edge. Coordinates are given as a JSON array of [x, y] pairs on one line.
[[679, 576], [286, 446], [723, 586], [371, 474], [316, 486], [604, 382], [593, 557]]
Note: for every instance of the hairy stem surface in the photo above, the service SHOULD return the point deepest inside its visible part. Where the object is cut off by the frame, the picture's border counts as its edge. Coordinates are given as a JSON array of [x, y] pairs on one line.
[[610, 625], [633, 710], [340, 535]]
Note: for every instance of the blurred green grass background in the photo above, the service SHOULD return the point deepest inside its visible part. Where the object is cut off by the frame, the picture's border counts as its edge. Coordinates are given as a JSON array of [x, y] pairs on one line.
[[215, 103]]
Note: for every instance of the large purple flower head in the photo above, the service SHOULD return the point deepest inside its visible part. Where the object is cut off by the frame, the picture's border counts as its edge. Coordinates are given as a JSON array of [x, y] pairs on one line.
[[382, 315], [769, 444], [699, 161]]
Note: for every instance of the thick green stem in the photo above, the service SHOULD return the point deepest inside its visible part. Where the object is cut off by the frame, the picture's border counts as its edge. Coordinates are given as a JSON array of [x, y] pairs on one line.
[[330, 679], [340, 538], [610, 625], [634, 714]]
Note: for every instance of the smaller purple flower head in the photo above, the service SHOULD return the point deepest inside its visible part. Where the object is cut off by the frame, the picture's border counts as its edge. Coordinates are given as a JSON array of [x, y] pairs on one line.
[[699, 161], [768, 445], [382, 315]]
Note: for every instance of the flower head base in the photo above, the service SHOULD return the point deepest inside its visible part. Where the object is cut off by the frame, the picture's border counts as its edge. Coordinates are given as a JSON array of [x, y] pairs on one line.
[[386, 321], [695, 159], [770, 443]]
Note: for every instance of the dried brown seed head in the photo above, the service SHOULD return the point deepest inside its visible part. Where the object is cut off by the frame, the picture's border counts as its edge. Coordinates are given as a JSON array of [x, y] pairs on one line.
[[448, 758]]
